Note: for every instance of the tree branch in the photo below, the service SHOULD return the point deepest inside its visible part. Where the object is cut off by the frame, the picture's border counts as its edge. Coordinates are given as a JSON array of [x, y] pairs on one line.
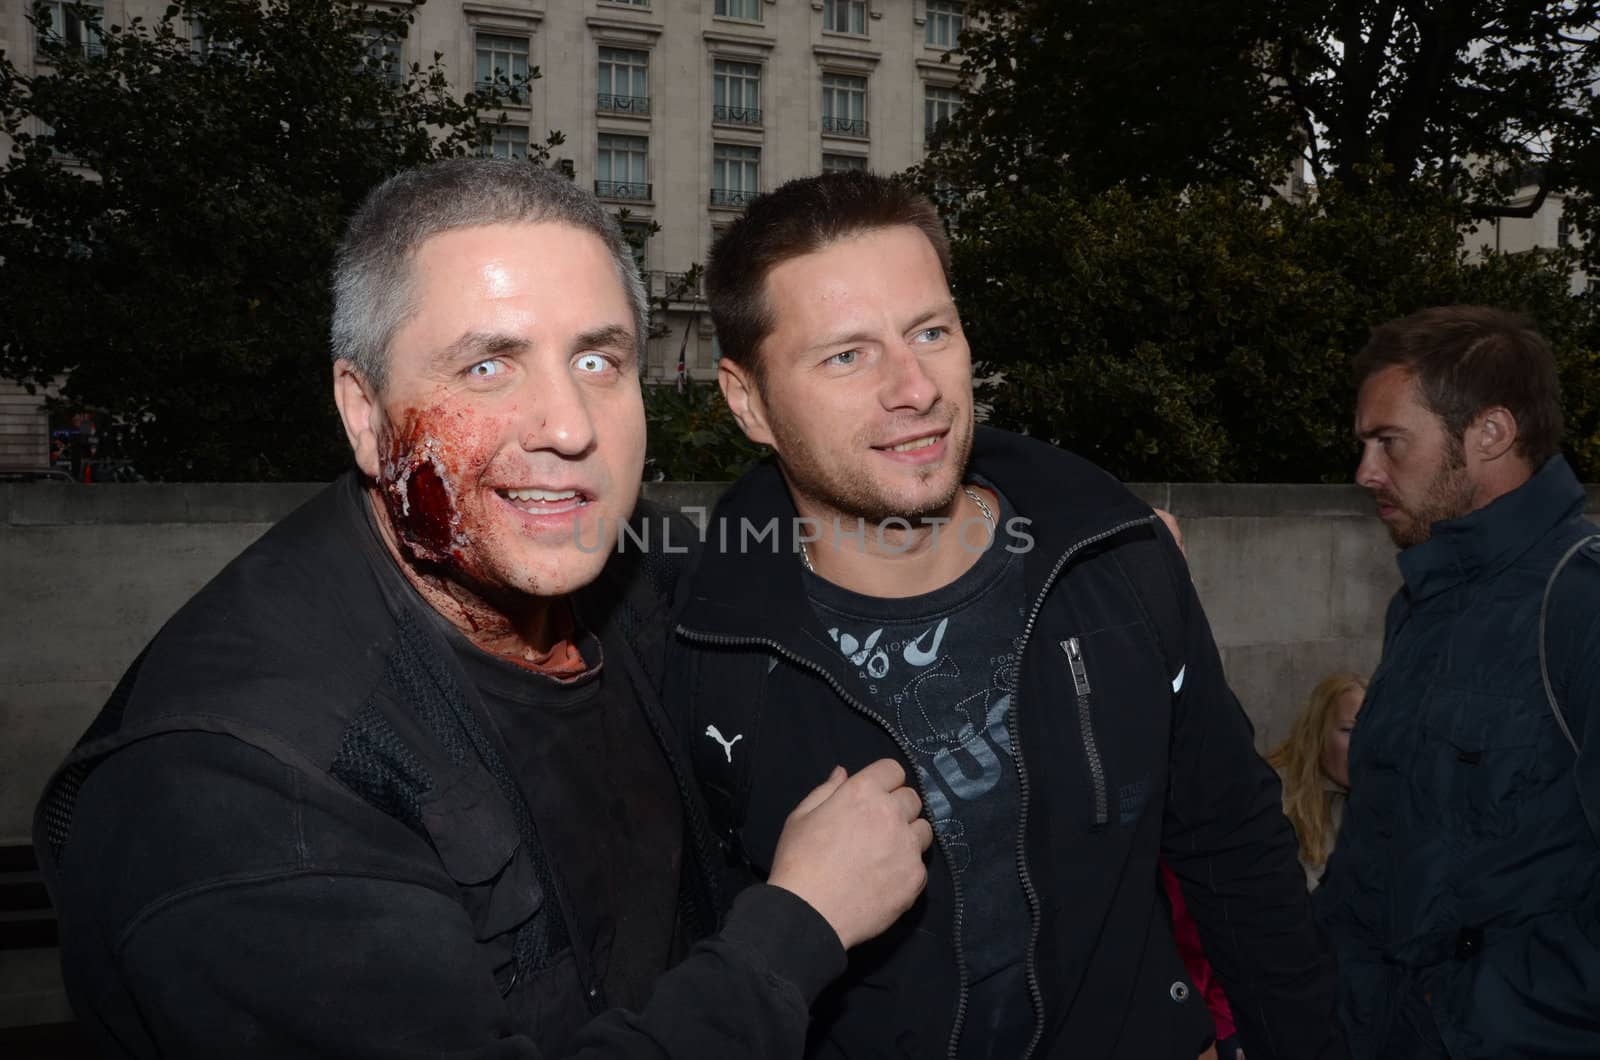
[[1525, 211], [1309, 112], [1358, 75], [1440, 37]]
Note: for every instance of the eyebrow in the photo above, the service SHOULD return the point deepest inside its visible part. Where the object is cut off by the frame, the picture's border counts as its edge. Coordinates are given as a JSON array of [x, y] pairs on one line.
[[608, 337], [843, 338], [852, 338], [1373, 432], [479, 345]]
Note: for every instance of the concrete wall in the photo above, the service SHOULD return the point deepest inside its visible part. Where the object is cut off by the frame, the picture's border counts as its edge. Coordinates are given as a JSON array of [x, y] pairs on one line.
[[1294, 578]]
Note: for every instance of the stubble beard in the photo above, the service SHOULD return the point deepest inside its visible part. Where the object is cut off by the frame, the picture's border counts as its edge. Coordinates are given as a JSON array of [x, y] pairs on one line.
[[1448, 496], [852, 494]]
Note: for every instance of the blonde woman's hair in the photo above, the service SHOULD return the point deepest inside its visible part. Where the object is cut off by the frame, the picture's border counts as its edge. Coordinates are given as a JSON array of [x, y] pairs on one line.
[[1306, 799]]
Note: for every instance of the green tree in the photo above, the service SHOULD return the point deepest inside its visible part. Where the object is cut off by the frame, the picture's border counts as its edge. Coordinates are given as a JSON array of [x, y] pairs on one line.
[[1477, 97], [1102, 93], [1481, 96], [693, 436], [1136, 282], [1205, 336], [170, 208]]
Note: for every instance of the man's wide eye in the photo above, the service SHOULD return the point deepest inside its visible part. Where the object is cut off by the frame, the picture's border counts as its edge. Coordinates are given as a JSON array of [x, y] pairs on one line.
[[485, 369], [592, 362]]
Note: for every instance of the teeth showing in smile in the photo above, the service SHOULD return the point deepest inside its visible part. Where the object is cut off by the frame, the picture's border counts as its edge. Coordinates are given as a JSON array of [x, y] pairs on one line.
[[920, 443], [540, 495]]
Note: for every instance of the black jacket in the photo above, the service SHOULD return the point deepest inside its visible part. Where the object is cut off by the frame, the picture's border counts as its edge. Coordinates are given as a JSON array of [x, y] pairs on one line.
[[1135, 772], [1466, 881], [291, 833]]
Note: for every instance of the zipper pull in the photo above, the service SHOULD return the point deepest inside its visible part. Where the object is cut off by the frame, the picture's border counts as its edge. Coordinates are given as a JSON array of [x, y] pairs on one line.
[[1080, 673]]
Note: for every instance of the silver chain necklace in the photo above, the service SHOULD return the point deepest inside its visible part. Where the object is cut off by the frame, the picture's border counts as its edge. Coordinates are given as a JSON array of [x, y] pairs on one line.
[[983, 507]]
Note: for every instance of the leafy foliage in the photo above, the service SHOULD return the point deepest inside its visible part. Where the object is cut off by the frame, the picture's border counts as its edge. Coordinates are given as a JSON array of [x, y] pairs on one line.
[[1140, 275], [1094, 94], [1206, 336], [693, 437], [1483, 96], [170, 209], [1478, 96]]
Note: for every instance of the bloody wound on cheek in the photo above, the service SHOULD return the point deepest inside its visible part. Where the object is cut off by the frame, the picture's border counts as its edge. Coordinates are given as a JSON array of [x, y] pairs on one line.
[[419, 500]]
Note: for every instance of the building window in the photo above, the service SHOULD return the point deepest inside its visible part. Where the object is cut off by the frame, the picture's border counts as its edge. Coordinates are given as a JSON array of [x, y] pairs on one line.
[[624, 81], [845, 16], [749, 10], [503, 61], [939, 105], [203, 43], [945, 19], [738, 93], [735, 174], [844, 105], [630, 3], [844, 163], [622, 169], [383, 55], [61, 24], [505, 141], [1563, 230]]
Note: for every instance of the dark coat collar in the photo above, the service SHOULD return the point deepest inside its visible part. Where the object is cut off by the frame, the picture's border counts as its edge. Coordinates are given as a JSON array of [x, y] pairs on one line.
[[740, 588], [1490, 539]]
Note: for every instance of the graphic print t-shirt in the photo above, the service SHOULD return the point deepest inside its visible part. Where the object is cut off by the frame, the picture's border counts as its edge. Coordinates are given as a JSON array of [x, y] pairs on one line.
[[940, 670]]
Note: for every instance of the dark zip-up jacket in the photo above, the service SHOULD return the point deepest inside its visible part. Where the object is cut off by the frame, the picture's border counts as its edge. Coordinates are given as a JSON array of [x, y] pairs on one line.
[[1466, 880], [1121, 761], [291, 833]]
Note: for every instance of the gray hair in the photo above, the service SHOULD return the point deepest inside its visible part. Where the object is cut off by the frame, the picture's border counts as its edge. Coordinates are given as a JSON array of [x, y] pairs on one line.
[[373, 285]]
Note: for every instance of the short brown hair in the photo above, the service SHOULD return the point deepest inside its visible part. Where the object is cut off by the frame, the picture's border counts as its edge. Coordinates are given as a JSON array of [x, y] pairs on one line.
[[802, 217], [1469, 358]]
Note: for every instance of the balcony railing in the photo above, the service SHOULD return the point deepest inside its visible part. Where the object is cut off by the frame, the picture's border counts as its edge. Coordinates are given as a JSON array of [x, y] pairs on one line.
[[844, 126], [734, 199], [621, 189], [623, 104], [736, 115]]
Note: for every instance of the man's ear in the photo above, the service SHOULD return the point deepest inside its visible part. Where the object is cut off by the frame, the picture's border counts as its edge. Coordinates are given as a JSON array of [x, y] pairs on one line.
[[1493, 434], [739, 390], [361, 413]]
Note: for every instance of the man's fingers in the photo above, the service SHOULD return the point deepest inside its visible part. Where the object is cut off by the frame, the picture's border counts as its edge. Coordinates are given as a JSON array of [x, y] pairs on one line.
[[910, 803], [885, 774], [923, 832], [821, 793]]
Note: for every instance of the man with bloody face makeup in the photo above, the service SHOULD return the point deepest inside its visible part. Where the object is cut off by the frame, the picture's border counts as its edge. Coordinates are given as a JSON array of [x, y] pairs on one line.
[[1011, 624], [1463, 898], [396, 783]]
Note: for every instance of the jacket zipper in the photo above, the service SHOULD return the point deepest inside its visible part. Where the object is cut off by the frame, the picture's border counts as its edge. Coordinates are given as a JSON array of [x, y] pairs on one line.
[[1030, 968], [912, 774], [1091, 751]]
